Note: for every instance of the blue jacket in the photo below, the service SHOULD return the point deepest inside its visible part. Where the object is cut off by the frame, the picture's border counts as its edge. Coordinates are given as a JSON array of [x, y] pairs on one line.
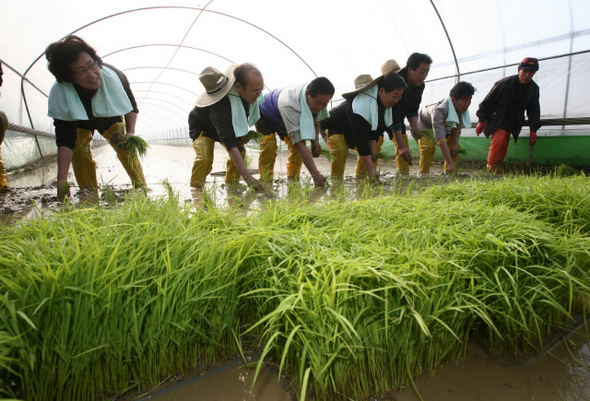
[[270, 110]]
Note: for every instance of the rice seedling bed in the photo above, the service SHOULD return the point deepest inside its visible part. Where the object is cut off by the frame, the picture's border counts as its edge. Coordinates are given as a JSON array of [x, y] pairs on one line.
[[348, 297]]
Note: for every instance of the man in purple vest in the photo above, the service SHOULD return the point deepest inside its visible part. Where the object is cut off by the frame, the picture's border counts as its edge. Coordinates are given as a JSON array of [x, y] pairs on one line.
[[293, 112]]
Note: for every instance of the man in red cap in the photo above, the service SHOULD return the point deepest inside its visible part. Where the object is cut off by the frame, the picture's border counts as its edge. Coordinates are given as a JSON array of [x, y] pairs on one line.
[[501, 113]]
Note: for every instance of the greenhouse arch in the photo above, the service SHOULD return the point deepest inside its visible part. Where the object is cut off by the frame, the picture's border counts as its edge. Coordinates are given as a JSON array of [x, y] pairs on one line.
[[166, 45]]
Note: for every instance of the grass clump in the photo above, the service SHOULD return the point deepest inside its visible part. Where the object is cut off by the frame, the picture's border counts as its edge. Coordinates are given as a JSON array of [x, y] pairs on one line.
[[349, 297]]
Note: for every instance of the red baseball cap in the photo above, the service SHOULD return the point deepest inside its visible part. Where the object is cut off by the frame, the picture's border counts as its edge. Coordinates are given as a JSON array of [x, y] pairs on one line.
[[529, 63]]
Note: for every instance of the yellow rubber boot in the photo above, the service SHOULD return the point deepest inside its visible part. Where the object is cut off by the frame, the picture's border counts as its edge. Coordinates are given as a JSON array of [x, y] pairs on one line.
[[402, 164], [267, 157], [115, 135], [82, 161], [339, 150], [427, 150], [203, 164], [456, 157], [294, 161], [3, 183], [361, 170]]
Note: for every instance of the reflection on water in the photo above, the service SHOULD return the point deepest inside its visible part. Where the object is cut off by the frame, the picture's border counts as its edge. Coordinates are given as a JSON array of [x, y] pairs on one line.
[[173, 164]]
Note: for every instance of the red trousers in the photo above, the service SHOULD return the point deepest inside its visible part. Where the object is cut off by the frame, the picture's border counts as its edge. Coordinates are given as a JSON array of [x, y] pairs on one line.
[[498, 149]]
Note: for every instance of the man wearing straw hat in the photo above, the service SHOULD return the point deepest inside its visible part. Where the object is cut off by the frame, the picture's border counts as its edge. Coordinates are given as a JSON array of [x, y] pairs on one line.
[[224, 113], [445, 118], [294, 113], [389, 65], [501, 112], [414, 73], [359, 121]]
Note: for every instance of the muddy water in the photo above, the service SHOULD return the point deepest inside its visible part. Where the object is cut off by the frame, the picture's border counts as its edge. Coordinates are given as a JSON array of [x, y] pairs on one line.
[[562, 374], [233, 382]]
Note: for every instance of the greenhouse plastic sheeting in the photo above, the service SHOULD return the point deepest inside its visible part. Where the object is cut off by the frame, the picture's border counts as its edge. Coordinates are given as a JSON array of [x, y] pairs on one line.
[[20, 149], [163, 46]]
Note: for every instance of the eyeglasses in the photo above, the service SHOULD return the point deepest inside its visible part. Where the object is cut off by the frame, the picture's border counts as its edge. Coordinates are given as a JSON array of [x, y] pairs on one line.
[[91, 66], [394, 96]]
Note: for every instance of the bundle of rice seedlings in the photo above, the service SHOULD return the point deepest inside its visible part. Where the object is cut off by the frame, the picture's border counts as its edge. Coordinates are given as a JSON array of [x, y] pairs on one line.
[[327, 154], [563, 170], [136, 146], [382, 156], [428, 133], [254, 137]]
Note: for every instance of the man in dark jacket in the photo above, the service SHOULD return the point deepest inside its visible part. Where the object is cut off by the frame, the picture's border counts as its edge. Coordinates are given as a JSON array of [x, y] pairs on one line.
[[414, 73], [501, 113]]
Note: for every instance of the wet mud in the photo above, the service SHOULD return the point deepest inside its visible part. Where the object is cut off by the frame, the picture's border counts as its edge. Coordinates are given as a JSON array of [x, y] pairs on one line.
[[233, 381], [34, 186], [559, 373]]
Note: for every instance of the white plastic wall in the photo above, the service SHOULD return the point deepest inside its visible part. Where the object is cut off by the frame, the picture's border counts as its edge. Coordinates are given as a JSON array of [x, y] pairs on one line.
[[163, 46]]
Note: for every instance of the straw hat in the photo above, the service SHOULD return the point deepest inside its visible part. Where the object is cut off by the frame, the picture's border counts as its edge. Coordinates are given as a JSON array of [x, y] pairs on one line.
[[361, 83], [390, 65], [365, 81], [217, 84]]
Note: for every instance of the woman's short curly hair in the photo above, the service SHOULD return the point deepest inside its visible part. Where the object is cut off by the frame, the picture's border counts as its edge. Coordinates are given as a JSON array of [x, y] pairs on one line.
[[60, 55]]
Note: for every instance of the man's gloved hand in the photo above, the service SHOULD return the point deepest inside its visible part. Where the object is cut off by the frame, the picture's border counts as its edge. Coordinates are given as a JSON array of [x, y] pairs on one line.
[[532, 138], [479, 128]]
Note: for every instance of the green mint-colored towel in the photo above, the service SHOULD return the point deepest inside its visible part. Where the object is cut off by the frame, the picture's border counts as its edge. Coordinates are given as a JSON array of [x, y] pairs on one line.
[[239, 121], [365, 105], [453, 119], [110, 100], [306, 123]]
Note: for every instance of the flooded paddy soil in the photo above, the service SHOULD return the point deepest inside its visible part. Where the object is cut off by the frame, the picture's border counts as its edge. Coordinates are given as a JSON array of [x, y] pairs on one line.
[[230, 381], [33, 188], [559, 373]]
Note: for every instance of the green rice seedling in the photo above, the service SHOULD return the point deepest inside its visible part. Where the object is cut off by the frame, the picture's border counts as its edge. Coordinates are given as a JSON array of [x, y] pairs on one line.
[[563, 170], [564, 202], [247, 160], [65, 186], [254, 137], [383, 156], [428, 133], [327, 154], [136, 146]]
